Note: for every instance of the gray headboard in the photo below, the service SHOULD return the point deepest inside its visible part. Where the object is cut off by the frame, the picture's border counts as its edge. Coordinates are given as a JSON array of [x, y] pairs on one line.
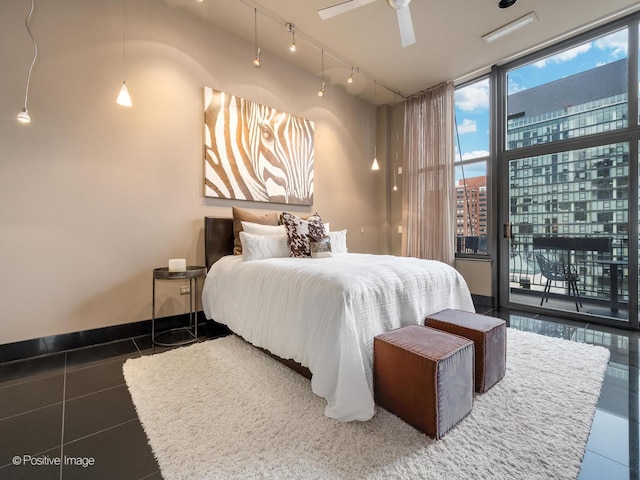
[[218, 239]]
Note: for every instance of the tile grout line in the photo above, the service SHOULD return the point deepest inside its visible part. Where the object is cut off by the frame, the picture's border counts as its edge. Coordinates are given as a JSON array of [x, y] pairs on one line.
[[64, 396]]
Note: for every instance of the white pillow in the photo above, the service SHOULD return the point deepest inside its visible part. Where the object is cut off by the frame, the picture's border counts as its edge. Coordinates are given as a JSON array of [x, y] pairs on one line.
[[258, 247], [259, 229], [338, 241]]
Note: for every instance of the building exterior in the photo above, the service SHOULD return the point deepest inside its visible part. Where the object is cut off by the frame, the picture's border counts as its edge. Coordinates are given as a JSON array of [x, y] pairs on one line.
[[578, 193], [471, 214]]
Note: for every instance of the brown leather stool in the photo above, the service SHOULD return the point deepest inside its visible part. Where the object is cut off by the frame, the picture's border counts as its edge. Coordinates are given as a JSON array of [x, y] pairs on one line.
[[424, 376], [489, 335]]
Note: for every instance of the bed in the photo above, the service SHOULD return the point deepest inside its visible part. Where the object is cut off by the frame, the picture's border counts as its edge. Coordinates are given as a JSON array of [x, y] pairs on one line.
[[323, 313]]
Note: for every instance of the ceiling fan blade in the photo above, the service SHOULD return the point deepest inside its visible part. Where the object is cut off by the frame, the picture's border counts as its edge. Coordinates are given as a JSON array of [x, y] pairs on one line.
[[342, 8], [407, 36]]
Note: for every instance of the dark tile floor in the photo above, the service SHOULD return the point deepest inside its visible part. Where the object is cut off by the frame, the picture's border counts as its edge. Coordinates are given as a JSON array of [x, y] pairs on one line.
[[75, 406]]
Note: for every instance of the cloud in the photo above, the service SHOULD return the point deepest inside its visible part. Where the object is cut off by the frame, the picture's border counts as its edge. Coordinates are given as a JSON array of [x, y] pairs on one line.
[[473, 97], [471, 155], [467, 126], [616, 41], [565, 56]]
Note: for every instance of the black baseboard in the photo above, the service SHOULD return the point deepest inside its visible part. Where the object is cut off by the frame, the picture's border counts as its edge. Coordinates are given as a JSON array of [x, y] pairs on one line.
[[483, 300], [68, 341]]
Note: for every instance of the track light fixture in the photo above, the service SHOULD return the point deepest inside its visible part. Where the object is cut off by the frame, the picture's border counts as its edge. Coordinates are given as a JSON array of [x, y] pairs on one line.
[[124, 98], [292, 29], [321, 91], [297, 35], [23, 115], [256, 59], [375, 166]]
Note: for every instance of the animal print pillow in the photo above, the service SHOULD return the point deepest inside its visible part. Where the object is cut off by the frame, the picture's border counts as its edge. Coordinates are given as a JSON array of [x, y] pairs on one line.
[[301, 231]]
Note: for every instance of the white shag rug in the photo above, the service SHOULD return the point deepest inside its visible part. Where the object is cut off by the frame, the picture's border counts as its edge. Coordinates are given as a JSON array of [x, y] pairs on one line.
[[224, 410]]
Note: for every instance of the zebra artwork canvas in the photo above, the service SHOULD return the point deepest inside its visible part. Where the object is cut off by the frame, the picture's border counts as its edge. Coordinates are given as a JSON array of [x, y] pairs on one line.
[[254, 152]]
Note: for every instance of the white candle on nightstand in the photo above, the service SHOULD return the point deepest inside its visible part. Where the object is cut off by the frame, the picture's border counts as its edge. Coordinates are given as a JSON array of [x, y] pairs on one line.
[[177, 264]]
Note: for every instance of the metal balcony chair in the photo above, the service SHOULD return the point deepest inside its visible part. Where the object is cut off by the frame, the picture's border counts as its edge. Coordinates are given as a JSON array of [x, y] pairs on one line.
[[558, 271]]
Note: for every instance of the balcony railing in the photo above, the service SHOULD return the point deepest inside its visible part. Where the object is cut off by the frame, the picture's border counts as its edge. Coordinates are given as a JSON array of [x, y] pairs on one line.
[[594, 269]]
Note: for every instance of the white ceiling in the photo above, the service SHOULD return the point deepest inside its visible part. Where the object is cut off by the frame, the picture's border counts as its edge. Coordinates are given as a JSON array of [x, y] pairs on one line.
[[448, 36]]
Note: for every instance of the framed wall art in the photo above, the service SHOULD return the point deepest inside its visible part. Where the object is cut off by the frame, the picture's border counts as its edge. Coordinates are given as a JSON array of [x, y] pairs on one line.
[[254, 152]]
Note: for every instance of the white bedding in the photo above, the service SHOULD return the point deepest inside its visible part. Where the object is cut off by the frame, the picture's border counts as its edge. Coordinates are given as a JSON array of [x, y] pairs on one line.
[[324, 312]]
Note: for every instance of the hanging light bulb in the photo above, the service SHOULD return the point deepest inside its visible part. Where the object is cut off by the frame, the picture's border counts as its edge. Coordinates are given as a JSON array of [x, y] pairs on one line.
[[292, 27], [23, 115], [256, 59], [321, 91], [124, 98]]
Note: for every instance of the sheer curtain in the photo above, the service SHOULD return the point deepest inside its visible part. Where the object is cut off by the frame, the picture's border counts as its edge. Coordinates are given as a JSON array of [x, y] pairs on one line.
[[429, 191]]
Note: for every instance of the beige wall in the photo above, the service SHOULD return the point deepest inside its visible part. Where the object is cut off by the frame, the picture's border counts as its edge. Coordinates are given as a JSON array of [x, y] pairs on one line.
[[93, 196]]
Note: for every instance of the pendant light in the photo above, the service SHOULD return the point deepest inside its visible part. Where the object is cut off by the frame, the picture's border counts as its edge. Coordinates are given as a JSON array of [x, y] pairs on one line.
[[350, 79], [374, 165], [292, 29], [321, 91], [23, 115], [124, 98], [395, 166], [256, 59]]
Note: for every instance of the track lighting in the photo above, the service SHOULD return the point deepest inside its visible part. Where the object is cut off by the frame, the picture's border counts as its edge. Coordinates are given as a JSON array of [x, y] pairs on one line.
[[321, 91], [256, 59], [374, 165], [292, 27], [23, 115], [124, 98]]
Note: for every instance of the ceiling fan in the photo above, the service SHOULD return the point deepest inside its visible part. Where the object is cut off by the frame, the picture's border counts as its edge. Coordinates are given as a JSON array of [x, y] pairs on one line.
[[407, 35]]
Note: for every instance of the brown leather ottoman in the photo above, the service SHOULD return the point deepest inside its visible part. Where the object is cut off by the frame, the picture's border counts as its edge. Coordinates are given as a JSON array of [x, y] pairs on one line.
[[489, 335], [424, 376]]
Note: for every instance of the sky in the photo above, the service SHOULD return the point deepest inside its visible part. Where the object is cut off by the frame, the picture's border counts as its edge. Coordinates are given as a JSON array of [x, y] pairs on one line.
[[472, 101]]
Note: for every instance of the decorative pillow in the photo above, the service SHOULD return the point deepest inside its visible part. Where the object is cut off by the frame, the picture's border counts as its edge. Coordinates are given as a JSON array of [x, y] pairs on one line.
[[260, 229], [258, 247], [338, 241], [300, 231], [240, 215], [320, 248]]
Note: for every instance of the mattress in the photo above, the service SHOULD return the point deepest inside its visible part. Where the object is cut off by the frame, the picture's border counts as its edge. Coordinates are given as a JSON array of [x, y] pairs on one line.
[[324, 313]]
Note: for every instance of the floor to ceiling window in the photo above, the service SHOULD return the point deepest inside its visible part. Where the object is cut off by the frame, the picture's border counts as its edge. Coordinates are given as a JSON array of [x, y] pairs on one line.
[[472, 128], [567, 163], [561, 151]]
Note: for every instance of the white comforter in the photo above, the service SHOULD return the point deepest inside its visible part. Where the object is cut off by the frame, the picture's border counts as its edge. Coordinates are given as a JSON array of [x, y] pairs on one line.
[[324, 312]]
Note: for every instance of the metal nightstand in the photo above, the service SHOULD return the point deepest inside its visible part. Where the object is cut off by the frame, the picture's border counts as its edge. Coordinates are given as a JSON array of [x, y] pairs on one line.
[[192, 274]]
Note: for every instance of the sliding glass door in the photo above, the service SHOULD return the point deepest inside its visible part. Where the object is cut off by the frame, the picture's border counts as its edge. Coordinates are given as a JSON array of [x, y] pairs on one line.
[[568, 234], [568, 168]]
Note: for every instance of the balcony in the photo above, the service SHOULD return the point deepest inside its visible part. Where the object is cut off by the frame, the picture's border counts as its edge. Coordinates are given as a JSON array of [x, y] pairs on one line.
[[601, 272]]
